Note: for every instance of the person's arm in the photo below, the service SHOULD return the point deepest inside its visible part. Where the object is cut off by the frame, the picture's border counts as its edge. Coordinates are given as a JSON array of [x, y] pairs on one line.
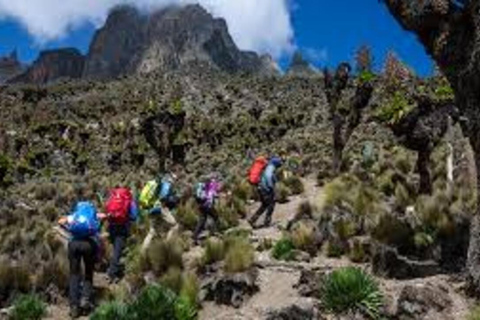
[[134, 211]]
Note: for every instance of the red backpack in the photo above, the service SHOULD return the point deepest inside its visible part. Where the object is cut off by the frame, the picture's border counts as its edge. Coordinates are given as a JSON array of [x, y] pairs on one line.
[[255, 173], [118, 205]]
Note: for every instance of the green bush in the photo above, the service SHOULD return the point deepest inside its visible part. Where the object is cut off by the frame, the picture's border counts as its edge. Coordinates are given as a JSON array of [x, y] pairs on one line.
[[113, 310], [395, 109], [185, 309], [28, 307], [303, 238], [239, 255], [165, 254], [282, 192], [351, 289], [155, 302], [172, 279], [284, 249]]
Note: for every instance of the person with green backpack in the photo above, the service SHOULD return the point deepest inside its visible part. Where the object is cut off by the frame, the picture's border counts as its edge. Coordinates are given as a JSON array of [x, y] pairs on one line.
[[158, 198]]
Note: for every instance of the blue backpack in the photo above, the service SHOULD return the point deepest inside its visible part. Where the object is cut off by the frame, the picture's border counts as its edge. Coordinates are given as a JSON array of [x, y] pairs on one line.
[[84, 222], [200, 192]]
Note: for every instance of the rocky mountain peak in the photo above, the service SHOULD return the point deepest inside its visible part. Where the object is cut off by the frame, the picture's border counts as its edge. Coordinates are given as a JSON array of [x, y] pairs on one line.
[[10, 66], [301, 67]]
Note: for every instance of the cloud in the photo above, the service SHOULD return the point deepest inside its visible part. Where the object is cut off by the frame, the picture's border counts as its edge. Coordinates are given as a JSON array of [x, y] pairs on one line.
[[258, 25]]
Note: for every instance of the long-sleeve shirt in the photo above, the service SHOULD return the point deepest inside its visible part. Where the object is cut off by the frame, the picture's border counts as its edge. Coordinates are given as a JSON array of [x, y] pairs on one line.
[[269, 179]]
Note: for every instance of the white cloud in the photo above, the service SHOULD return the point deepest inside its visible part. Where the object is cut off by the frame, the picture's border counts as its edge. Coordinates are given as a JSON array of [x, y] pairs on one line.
[[316, 55], [259, 25]]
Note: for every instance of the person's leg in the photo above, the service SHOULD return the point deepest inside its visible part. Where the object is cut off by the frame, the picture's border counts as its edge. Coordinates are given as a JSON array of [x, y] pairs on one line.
[[260, 210], [170, 221], [74, 258], [270, 200], [154, 225], [213, 213], [89, 257], [200, 225], [119, 239]]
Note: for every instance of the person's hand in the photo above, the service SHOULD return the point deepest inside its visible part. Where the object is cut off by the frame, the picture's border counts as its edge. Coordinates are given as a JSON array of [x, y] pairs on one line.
[[63, 221], [102, 216]]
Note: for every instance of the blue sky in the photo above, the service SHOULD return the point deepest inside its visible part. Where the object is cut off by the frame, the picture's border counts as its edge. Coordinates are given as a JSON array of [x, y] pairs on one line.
[[326, 31]]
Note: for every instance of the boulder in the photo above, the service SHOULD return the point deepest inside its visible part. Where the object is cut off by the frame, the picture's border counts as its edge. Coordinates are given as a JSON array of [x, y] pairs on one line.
[[230, 289], [305, 309], [387, 262], [423, 302]]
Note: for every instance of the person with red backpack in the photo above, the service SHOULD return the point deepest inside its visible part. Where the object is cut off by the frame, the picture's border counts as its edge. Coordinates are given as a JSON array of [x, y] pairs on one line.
[[263, 175], [120, 211], [83, 225]]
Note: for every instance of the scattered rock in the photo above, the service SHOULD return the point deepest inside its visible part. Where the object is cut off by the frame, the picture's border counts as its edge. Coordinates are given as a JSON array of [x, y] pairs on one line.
[[306, 309], [309, 284], [387, 262], [230, 289], [423, 302]]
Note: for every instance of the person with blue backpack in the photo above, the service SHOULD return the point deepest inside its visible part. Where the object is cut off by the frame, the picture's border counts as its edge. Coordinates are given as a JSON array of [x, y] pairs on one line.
[[83, 225], [206, 194], [266, 191], [158, 198]]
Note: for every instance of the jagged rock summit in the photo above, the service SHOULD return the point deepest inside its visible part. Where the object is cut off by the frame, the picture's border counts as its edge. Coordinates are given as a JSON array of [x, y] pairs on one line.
[[301, 67], [52, 65], [10, 67], [172, 38]]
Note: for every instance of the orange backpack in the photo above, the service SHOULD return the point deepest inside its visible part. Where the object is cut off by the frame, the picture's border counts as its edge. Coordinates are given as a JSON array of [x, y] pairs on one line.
[[255, 173]]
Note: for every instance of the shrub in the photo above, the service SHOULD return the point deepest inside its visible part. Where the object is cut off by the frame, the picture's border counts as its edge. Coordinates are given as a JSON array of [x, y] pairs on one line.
[[187, 214], [28, 307], [172, 279], [242, 190], [154, 302], [303, 238], [185, 309], [53, 272], [402, 197], [357, 251], [227, 213], [351, 289], [395, 109], [282, 192], [165, 254], [214, 250], [474, 314], [13, 279], [334, 248], [283, 249], [113, 310], [295, 184], [239, 255]]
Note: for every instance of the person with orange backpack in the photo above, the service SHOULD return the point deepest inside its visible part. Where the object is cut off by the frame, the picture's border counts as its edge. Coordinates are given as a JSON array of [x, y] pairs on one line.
[[120, 211], [263, 175]]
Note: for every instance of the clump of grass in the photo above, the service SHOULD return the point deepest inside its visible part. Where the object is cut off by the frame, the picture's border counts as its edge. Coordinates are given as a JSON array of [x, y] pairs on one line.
[[172, 279], [474, 313], [357, 251], [112, 310], [351, 289], [14, 279], [28, 307], [334, 248], [303, 238], [227, 213], [282, 192], [239, 256], [243, 190], [284, 249], [295, 184], [165, 254], [187, 214], [214, 250], [154, 302]]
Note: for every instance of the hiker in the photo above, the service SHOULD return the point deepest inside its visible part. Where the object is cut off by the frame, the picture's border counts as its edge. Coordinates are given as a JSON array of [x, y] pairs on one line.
[[159, 199], [263, 175], [120, 211], [206, 195], [84, 227]]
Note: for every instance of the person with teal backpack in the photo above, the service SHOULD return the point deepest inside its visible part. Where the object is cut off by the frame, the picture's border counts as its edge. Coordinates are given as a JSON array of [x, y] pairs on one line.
[[83, 224]]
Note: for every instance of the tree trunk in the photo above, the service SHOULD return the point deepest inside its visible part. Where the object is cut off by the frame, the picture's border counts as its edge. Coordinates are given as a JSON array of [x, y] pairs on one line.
[[338, 144], [423, 162]]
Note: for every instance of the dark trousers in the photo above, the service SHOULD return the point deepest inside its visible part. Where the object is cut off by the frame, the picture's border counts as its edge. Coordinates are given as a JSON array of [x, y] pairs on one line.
[[267, 199], [78, 251], [118, 235], [205, 212]]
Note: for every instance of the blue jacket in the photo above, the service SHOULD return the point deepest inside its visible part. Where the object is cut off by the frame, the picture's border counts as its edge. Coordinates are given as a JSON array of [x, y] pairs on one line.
[[269, 178]]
